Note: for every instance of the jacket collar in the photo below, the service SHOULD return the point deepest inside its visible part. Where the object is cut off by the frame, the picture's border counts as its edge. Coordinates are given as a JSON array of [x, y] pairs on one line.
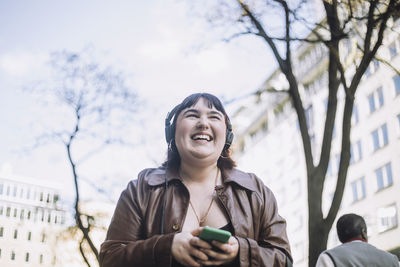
[[241, 178], [157, 177]]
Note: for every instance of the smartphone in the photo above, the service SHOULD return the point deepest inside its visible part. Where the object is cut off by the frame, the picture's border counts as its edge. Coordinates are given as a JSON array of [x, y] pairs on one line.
[[210, 233]]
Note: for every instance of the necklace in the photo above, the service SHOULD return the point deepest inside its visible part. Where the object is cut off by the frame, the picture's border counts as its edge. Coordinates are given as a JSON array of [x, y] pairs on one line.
[[201, 220]]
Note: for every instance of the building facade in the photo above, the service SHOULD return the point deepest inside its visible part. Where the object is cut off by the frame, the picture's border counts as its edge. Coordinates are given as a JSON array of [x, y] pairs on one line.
[[268, 143], [30, 219]]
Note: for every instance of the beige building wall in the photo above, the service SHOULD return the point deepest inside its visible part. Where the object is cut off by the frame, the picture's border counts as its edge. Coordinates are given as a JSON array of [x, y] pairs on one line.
[[30, 219], [268, 143]]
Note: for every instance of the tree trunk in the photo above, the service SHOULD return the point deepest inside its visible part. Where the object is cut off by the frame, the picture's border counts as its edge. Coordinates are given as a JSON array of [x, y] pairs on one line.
[[318, 237]]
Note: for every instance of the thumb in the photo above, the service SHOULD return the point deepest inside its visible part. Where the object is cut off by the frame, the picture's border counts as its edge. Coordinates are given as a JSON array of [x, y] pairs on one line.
[[197, 231]]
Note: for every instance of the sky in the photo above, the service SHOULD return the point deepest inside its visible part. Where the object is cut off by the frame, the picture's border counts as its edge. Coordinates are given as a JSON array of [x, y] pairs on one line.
[[165, 51]]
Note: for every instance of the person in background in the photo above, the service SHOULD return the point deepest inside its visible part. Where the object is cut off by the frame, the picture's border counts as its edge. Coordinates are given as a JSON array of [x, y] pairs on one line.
[[159, 216], [355, 251]]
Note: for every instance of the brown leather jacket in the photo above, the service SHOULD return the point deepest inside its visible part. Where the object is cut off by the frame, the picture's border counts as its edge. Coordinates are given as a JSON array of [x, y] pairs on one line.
[[134, 237]]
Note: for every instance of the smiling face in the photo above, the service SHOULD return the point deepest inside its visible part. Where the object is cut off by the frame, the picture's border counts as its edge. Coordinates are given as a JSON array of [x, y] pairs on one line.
[[200, 133]]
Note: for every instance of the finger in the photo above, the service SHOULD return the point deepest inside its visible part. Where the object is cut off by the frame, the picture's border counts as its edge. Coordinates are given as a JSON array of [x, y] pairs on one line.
[[216, 255], [213, 263], [233, 241], [189, 261], [225, 248], [198, 254], [195, 241]]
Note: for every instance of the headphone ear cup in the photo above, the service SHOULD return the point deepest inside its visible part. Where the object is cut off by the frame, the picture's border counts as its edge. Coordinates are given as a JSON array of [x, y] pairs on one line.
[[169, 133], [170, 127], [229, 138]]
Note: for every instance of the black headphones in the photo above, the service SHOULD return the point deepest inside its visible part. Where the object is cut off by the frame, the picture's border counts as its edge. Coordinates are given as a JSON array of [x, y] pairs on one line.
[[170, 128]]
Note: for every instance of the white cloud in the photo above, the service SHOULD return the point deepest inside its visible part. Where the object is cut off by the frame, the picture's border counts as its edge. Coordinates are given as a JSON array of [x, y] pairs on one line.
[[160, 50], [212, 60], [22, 63]]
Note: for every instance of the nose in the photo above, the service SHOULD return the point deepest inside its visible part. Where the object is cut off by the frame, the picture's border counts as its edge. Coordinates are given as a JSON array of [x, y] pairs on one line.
[[202, 123]]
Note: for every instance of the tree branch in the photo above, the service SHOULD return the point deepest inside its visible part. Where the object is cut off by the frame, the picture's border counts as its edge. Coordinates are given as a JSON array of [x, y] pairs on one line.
[[83, 253]]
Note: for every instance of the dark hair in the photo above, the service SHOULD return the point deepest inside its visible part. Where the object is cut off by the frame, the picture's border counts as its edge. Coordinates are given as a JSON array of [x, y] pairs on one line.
[[350, 226], [173, 158]]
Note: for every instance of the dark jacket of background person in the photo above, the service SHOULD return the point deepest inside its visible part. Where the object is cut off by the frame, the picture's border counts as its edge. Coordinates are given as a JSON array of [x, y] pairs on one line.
[[134, 239]]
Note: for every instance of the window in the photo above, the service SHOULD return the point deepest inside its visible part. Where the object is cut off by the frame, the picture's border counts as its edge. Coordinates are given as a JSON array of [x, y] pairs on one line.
[[358, 188], [375, 100], [22, 214], [15, 191], [55, 198], [8, 212], [355, 116], [15, 212], [29, 236], [309, 117], [380, 137], [1, 210], [337, 157], [384, 176], [396, 82], [28, 193], [329, 171], [12, 255], [393, 49], [372, 68], [1, 189], [27, 257], [368, 71], [41, 258], [387, 218], [376, 64], [1, 231], [15, 234], [398, 125], [356, 152], [43, 237]]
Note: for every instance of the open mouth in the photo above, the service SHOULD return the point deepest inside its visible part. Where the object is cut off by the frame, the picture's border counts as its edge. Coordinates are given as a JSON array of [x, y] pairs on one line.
[[202, 137]]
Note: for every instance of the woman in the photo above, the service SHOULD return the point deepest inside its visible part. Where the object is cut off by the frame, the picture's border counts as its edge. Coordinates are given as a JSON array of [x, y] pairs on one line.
[[160, 215]]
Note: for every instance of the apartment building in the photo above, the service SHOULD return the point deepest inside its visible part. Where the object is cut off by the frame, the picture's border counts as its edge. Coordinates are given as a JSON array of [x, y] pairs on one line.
[[30, 219], [268, 143]]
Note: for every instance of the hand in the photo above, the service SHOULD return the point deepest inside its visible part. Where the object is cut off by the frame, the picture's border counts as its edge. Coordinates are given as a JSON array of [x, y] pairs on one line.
[[186, 249], [227, 253]]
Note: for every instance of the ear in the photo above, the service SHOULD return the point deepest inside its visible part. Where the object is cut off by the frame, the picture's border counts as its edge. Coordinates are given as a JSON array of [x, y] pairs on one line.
[[364, 234]]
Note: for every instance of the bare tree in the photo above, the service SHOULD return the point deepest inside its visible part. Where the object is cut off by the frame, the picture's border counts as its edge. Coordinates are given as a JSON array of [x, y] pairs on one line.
[[283, 26], [97, 104]]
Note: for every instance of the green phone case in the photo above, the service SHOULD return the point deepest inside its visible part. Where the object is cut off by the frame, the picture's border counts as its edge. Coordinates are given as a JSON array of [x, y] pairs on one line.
[[209, 234]]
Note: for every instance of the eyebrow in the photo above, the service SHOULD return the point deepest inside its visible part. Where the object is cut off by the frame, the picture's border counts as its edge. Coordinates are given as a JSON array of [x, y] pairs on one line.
[[213, 112]]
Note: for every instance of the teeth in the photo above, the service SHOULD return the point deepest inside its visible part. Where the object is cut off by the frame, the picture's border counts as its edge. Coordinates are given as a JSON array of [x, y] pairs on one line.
[[202, 137]]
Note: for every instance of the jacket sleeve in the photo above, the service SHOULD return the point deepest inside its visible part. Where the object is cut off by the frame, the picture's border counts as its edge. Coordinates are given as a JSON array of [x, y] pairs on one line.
[[272, 245], [125, 244]]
